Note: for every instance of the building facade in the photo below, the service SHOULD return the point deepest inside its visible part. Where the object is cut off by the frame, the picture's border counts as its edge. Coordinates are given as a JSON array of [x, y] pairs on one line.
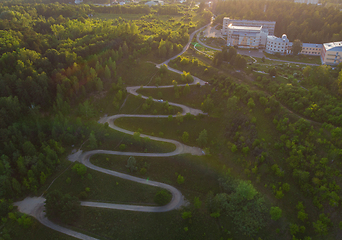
[[331, 53], [250, 23], [246, 37], [311, 49], [277, 45]]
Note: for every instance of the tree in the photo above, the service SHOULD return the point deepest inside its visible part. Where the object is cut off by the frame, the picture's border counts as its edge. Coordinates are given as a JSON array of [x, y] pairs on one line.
[[197, 203], [86, 109], [80, 169], [131, 164], [320, 227], [162, 197], [297, 47], [99, 85], [29, 148], [201, 6], [180, 179], [276, 213], [92, 140], [186, 215], [251, 103], [218, 58], [232, 52], [62, 207], [107, 72], [202, 138], [185, 137], [232, 103], [339, 82], [125, 48], [246, 190], [272, 72], [186, 90], [240, 62]]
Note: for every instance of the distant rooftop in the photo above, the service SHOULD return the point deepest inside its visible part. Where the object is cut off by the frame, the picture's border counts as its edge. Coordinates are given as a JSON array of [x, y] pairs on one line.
[[312, 45], [333, 46], [233, 27], [250, 21]]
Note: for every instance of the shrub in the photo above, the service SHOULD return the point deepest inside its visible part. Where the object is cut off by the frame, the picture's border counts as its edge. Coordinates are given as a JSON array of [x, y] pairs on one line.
[[62, 207], [162, 197], [180, 179], [143, 171], [80, 169], [185, 137], [276, 213], [122, 147], [245, 150], [186, 215], [215, 214]]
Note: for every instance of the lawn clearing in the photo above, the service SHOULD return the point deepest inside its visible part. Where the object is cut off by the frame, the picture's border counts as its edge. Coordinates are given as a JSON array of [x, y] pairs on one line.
[[192, 99], [113, 139], [298, 58], [103, 187], [174, 129]]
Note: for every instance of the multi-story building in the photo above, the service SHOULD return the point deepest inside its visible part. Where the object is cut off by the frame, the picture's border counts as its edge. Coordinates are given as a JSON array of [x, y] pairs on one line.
[[311, 49], [250, 23], [246, 37], [277, 45], [331, 53]]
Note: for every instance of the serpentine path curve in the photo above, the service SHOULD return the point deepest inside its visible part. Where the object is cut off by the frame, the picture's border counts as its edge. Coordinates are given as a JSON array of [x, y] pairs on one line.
[[34, 206]]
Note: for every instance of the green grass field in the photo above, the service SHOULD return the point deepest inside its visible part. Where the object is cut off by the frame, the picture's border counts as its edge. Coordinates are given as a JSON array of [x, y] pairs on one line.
[[155, 126], [299, 58], [105, 188], [114, 139], [192, 99]]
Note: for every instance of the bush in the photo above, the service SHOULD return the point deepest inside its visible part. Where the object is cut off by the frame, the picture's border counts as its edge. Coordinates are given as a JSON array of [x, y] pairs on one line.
[[80, 169], [143, 171], [186, 215], [162, 197], [234, 148], [276, 213], [62, 207], [122, 147], [245, 150], [180, 179]]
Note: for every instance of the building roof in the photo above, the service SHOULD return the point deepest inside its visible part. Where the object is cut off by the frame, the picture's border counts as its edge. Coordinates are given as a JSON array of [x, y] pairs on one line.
[[246, 28], [277, 39], [333, 46], [250, 21], [312, 45]]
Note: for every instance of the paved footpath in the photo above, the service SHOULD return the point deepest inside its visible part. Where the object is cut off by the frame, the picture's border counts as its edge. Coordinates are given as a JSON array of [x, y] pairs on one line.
[[34, 206]]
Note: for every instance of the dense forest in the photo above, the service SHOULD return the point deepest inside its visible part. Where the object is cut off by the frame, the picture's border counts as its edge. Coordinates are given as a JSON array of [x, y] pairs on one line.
[[272, 140], [54, 57], [307, 22]]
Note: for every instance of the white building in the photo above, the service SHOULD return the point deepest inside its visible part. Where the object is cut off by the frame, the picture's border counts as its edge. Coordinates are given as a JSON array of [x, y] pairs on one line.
[[246, 37], [277, 45], [307, 1], [250, 23], [153, 3], [331, 53]]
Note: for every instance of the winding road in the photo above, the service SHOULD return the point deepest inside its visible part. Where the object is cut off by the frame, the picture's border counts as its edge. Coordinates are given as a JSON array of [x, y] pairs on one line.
[[34, 206]]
